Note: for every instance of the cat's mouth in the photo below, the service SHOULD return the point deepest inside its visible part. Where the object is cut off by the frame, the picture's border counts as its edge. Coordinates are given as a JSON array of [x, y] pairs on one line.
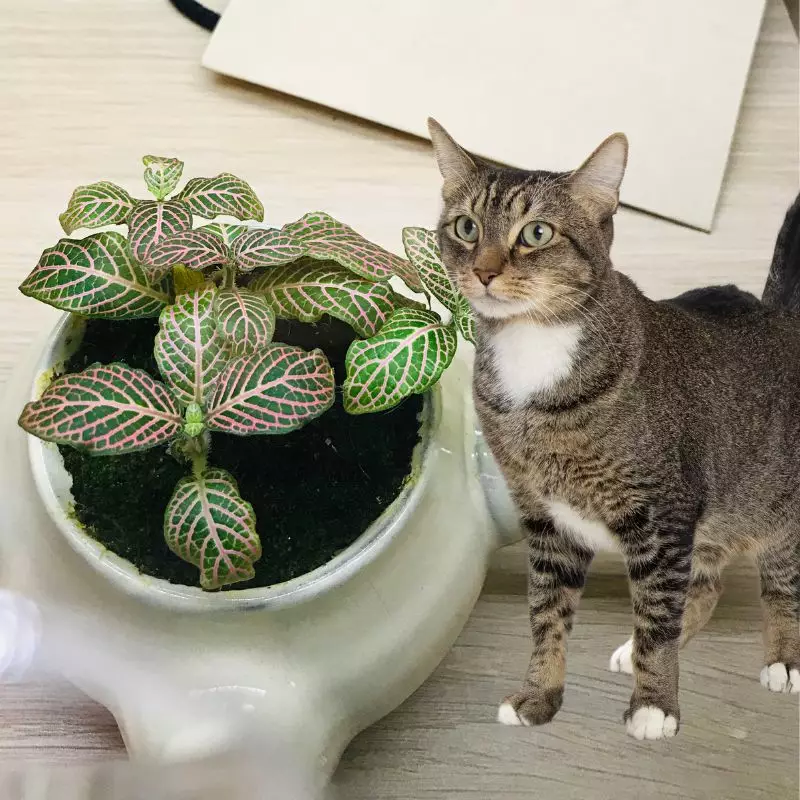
[[493, 307]]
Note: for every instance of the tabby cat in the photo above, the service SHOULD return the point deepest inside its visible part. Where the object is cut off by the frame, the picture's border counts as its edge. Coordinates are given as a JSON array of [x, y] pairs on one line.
[[668, 430]]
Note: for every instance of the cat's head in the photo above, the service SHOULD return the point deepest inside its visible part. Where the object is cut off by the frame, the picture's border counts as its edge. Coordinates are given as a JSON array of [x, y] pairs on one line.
[[520, 243]]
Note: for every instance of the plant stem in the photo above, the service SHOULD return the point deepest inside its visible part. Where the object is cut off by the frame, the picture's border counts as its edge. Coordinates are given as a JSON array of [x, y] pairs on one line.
[[197, 452], [228, 276]]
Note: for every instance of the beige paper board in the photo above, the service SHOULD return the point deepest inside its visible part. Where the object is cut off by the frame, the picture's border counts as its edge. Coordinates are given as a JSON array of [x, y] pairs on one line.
[[532, 83]]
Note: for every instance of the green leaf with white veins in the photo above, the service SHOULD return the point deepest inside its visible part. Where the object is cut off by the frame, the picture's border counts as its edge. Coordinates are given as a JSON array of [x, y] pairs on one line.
[[422, 250], [161, 175], [223, 194], [95, 205], [465, 319], [407, 356], [96, 277], [307, 289], [208, 524], [189, 349], [245, 319]]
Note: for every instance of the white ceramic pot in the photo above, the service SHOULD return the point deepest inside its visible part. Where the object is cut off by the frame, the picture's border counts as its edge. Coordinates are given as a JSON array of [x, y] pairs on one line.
[[314, 660]]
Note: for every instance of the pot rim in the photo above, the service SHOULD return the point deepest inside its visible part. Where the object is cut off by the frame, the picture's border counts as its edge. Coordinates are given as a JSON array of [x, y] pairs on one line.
[[48, 471]]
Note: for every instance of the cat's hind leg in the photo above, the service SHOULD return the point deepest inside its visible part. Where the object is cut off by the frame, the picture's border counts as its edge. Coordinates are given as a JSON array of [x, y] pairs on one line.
[[779, 567], [556, 574]]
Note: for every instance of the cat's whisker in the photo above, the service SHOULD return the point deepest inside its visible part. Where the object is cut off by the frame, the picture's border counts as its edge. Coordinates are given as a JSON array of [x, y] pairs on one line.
[[594, 323], [593, 298]]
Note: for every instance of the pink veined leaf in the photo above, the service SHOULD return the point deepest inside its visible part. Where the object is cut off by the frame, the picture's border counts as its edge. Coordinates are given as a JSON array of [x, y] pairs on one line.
[[196, 249], [105, 409], [95, 205], [96, 277], [224, 194], [307, 289], [226, 231], [261, 247], [151, 223], [275, 390], [189, 349], [245, 319], [208, 524], [328, 239], [161, 175]]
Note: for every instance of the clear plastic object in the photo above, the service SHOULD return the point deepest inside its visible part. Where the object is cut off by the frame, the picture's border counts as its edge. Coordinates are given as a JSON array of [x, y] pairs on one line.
[[239, 764]]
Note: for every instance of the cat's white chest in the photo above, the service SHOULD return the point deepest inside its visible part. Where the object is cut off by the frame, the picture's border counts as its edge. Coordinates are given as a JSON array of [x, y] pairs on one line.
[[531, 358], [591, 533]]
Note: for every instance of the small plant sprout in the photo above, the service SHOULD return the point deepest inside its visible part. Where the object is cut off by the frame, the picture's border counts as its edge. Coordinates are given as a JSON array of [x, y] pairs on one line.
[[217, 286]]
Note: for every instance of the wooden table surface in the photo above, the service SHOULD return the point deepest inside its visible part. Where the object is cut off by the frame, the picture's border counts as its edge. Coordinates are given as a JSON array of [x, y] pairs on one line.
[[89, 87]]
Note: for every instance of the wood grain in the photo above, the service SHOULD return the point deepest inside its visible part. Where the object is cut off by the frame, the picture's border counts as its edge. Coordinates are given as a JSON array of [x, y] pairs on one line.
[[89, 87]]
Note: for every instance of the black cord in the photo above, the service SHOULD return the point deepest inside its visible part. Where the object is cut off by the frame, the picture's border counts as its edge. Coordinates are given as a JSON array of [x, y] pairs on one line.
[[197, 13]]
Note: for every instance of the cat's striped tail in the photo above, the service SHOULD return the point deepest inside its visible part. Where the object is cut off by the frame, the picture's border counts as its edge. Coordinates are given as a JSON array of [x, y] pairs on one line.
[[783, 282]]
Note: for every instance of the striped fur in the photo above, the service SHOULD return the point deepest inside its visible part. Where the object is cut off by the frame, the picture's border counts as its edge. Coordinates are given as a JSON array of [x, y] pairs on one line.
[[670, 430]]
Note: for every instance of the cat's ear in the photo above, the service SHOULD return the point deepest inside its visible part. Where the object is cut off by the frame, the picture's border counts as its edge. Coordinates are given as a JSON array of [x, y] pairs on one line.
[[455, 163], [598, 179]]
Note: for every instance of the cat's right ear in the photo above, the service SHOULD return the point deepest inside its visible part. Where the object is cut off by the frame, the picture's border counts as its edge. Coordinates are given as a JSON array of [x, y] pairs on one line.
[[455, 163], [596, 182]]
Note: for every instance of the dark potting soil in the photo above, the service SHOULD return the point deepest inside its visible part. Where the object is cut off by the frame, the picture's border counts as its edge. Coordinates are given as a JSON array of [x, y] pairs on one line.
[[314, 490]]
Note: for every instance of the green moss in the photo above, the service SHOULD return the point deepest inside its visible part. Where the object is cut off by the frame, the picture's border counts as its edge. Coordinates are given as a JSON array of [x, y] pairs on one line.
[[314, 491]]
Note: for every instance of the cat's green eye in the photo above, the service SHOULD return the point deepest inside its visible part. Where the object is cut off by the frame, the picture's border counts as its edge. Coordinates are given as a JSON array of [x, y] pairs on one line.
[[466, 228], [536, 234]]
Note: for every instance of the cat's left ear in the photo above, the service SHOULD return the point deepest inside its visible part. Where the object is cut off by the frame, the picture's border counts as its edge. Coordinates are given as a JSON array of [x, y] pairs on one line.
[[598, 179], [455, 163]]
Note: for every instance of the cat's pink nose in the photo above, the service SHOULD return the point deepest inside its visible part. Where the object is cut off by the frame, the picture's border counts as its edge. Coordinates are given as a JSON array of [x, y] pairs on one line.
[[486, 276]]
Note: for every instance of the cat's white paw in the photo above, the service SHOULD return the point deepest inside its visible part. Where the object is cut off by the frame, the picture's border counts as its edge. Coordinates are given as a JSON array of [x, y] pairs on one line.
[[777, 678], [649, 722], [506, 715], [622, 658]]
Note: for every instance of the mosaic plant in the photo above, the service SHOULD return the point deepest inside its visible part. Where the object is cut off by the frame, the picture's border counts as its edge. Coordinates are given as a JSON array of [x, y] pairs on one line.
[[196, 259]]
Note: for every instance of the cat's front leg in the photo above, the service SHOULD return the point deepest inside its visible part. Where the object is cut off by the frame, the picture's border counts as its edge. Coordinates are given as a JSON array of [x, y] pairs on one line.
[[556, 573], [658, 552]]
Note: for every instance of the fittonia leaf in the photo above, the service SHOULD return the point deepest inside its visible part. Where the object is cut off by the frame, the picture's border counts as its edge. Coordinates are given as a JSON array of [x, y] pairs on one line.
[[245, 320], [105, 409], [197, 249], [275, 390], [224, 194], [95, 205], [227, 232], [465, 319], [407, 356], [152, 222], [423, 253], [404, 301], [189, 349], [308, 289], [95, 277], [208, 524], [422, 250], [265, 247], [328, 239], [161, 175]]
